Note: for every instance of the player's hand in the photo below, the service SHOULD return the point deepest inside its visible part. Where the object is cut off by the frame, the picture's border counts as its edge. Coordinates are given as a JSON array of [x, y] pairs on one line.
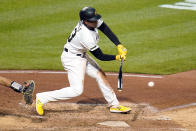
[[121, 49], [119, 57]]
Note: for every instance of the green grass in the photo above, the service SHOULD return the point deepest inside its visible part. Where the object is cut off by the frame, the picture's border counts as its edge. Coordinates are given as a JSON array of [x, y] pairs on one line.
[[159, 40]]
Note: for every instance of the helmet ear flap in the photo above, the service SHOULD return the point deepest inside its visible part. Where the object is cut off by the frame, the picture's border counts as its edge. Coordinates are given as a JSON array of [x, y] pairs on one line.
[[81, 14]]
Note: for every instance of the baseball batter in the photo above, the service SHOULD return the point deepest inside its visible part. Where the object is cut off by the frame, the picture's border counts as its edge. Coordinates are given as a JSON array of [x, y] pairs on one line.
[[26, 90], [77, 62]]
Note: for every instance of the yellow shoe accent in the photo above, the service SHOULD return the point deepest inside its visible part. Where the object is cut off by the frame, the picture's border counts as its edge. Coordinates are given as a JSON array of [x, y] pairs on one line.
[[39, 107], [120, 109]]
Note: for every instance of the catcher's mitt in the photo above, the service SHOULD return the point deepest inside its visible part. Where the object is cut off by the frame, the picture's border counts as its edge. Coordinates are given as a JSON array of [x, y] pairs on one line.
[[28, 91]]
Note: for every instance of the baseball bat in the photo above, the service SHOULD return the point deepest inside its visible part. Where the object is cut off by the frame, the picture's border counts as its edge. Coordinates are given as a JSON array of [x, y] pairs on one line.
[[120, 81]]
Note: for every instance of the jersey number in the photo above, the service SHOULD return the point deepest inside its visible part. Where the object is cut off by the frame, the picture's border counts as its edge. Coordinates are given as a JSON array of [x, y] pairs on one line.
[[72, 35]]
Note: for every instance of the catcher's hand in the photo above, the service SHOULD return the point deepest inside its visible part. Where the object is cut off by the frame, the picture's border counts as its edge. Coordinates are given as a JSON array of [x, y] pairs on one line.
[[27, 91], [119, 57], [121, 50]]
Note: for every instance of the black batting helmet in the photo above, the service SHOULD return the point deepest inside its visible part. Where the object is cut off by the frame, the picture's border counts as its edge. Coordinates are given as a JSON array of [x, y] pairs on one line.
[[89, 14]]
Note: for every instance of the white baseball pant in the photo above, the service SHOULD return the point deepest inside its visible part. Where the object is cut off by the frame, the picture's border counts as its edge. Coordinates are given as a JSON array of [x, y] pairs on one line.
[[76, 67]]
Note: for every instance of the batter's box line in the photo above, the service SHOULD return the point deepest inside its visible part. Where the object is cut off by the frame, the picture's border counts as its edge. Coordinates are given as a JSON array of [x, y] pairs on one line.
[[178, 107]]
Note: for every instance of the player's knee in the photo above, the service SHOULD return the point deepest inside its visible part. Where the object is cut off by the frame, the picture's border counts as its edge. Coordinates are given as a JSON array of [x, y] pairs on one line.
[[100, 76]]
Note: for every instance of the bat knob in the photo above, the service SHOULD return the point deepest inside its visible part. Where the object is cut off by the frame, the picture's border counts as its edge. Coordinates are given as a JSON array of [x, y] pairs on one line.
[[119, 90]]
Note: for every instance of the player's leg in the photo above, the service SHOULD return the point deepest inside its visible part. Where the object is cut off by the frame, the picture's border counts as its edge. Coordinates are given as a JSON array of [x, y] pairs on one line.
[[94, 71], [75, 67], [75, 89], [5, 81]]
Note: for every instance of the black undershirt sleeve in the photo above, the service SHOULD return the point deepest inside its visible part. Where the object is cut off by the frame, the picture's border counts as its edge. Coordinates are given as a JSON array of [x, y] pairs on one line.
[[106, 30], [103, 57]]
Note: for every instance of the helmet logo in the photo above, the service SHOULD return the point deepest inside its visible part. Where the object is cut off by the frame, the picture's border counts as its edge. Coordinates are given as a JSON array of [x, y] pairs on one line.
[[95, 13]]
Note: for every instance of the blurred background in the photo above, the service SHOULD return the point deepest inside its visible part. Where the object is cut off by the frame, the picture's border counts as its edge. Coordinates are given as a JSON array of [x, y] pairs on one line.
[[159, 40]]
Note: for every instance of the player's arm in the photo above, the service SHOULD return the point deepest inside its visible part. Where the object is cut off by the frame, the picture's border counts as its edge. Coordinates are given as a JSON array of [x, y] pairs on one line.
[[107, 31], [5, 82], [101, 56], [27, 89], [12, 84], [105, 57]]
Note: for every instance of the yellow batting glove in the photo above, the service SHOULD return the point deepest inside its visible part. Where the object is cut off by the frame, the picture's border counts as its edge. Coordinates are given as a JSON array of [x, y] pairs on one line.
[[121, 49], [119, 57]]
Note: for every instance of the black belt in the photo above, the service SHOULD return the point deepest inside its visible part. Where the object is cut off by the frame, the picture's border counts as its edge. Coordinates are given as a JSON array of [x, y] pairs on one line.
[[66, 50]]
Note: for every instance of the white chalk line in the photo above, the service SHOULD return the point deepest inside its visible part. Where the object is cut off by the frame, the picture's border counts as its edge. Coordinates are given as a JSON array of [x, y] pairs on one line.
[[178, 107], [136, 75], [186, 5], [151, 108], [63, 72]]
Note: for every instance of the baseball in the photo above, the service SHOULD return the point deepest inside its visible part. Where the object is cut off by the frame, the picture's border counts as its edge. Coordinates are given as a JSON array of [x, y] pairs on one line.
[[151, 84]]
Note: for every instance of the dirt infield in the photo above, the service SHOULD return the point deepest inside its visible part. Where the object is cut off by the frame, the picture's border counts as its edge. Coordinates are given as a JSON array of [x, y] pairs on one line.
[[168, 106]]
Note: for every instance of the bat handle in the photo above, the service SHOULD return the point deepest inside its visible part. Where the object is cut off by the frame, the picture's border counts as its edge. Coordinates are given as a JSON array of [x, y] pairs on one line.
[[120, 77], [121, 61]]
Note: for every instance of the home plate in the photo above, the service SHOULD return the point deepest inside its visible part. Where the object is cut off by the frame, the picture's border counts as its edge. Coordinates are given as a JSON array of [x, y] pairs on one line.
[[114, 123]]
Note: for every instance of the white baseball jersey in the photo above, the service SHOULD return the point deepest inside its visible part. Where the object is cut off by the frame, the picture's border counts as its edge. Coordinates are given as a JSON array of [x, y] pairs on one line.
[[83, 39]]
